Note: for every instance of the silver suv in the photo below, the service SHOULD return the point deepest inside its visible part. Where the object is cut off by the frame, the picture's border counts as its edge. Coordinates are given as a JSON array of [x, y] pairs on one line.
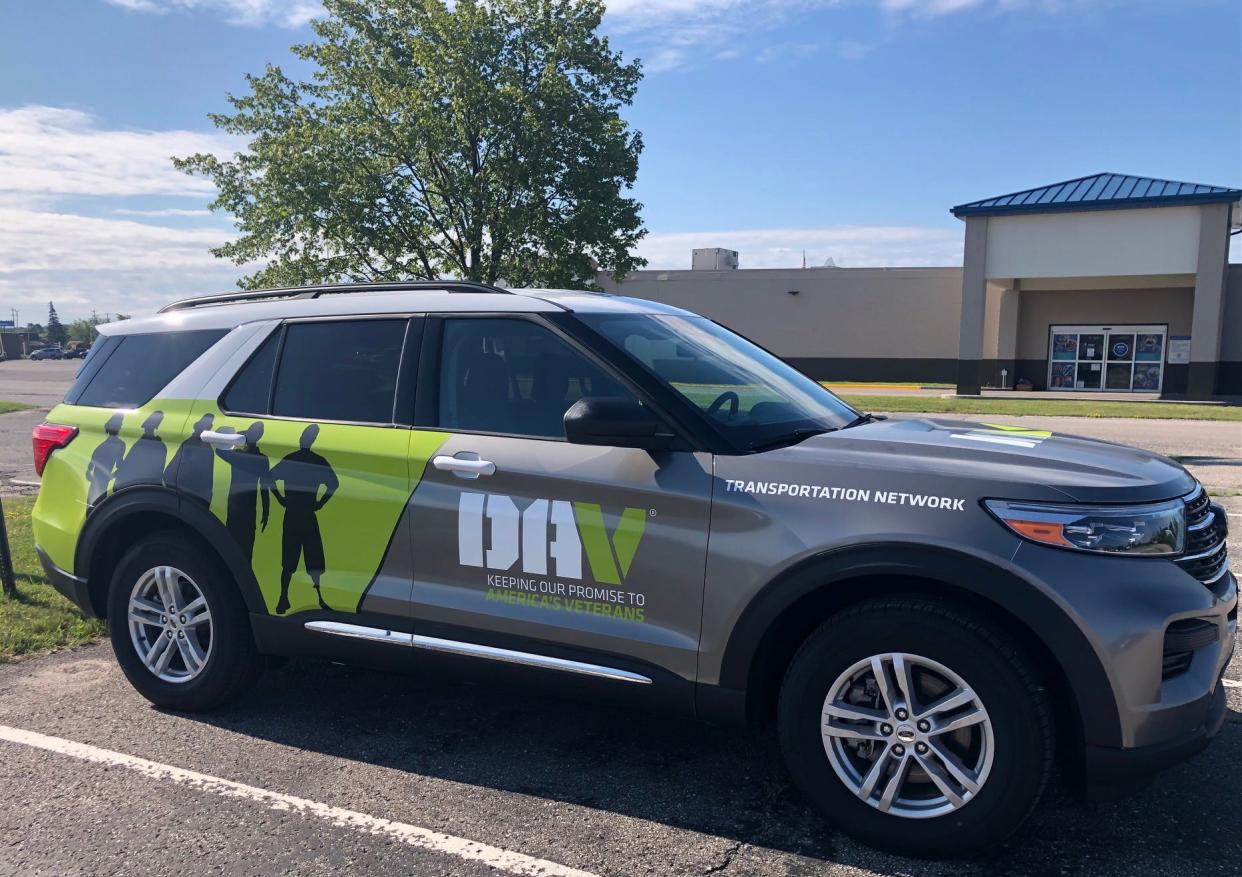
[[630, 501]]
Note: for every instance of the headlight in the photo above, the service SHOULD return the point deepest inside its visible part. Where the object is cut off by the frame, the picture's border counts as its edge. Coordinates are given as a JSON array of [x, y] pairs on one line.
[[1146, 529]]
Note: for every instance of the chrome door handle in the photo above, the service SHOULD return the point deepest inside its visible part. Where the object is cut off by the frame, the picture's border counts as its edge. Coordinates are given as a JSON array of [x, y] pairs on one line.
[[464, 467], [223, 440]]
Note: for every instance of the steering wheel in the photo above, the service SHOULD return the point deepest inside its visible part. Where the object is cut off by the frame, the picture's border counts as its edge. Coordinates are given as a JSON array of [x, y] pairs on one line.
[[727, 396]]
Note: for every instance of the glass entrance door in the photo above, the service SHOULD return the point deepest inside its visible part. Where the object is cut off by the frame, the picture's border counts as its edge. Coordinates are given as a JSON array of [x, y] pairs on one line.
[[1109, 358]]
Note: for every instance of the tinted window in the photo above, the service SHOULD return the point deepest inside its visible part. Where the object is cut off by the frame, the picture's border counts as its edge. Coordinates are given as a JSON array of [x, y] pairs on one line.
[[339, 371], [751, 395], [249, 393], [139, 366], [513, 377], [96, 357]]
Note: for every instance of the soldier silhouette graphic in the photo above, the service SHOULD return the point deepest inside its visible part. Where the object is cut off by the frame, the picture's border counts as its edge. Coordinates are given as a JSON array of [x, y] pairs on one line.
[[144, 464], [106, 457], [303, 473], [249, 481], [191, 467]]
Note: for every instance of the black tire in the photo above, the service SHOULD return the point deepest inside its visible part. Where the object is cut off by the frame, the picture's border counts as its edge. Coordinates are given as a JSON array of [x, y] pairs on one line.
[[233, 663], [1005, 681]]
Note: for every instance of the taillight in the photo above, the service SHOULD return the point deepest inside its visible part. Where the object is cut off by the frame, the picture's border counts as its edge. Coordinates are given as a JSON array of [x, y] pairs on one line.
[[46, 438]]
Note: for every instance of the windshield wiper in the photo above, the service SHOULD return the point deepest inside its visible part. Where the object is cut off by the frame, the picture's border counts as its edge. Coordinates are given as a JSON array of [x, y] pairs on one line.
[[864, 418], [790, 438]]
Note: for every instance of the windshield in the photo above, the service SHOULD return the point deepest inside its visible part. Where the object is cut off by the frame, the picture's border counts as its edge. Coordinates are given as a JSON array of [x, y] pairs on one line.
[[752, 396]]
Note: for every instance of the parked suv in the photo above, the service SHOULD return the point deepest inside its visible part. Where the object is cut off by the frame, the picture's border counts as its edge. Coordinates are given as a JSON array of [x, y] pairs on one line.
[[624, 498]]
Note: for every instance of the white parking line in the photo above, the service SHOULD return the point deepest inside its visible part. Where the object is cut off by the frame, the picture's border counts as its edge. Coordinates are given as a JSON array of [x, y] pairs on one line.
[[1231, 683], [412, 835]]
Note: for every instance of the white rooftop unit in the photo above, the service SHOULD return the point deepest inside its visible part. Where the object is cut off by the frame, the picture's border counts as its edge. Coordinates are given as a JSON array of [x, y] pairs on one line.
[[713, 259]]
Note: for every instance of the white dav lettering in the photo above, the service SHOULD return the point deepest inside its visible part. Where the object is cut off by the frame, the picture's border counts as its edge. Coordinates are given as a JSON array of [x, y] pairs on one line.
[[547, 528], [514, 535]]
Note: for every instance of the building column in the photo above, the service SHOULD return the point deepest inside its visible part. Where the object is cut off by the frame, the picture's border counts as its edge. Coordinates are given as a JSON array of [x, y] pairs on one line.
[[1208, 318], [1007, 333], [974, 305]]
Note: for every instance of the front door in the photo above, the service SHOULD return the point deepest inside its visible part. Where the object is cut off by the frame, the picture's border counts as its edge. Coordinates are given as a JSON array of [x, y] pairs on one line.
[[523, 539], [1115, 358]]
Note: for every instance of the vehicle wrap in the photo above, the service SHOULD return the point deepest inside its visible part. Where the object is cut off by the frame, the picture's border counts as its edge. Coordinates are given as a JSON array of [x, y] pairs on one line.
[[355, 482]]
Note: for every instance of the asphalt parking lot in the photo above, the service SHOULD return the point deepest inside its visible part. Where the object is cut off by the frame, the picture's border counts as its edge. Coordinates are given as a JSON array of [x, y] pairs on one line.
[[328, 769]]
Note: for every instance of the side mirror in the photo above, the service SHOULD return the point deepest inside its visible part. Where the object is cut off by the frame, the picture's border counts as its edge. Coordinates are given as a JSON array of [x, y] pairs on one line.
[[615, 422]]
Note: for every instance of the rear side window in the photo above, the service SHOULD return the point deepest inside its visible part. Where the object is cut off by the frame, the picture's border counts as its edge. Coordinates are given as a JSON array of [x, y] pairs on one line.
[[129, 372], [343, 370], [251, 390]]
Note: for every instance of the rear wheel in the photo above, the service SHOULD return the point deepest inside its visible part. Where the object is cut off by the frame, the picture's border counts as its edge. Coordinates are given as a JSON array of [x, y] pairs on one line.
[[179, 627], [916, 728]]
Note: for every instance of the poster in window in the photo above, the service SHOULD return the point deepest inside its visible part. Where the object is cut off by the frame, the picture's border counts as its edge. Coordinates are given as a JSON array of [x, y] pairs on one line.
[[1120, 347], [1147, 377], [1064, 346], [1062, 376], [1147, 348]]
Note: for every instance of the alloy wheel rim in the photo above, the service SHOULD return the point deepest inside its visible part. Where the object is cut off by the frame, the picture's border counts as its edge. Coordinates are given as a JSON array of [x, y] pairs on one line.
[[170, 624], [907, 735]]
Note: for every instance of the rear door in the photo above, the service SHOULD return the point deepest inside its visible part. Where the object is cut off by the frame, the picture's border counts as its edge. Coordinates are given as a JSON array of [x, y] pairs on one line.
[[305, 459], [523, 540]]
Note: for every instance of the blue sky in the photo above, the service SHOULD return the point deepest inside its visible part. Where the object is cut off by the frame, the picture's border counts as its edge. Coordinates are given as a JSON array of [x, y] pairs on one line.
[[843, 127]]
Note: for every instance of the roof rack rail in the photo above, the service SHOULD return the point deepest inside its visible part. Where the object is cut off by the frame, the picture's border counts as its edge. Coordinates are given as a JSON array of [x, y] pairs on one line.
[[331, 289]]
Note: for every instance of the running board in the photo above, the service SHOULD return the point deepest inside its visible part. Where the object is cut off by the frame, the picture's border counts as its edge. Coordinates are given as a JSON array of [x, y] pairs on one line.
[[473, 650]]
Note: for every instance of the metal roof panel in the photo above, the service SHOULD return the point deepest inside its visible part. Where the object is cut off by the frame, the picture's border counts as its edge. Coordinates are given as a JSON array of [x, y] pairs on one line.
[[1100, 191]]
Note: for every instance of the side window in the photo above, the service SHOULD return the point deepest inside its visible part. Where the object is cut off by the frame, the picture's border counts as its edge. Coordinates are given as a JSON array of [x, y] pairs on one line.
[[139, 366], [339, 370], [250, 391], [515, 377]]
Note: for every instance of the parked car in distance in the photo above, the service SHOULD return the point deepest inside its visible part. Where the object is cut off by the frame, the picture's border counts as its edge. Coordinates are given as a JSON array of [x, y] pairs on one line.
[[620, 498], [48, 353]]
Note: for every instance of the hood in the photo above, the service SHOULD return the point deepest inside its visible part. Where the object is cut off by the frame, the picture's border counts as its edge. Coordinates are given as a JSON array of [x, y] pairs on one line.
[[1065, 466]]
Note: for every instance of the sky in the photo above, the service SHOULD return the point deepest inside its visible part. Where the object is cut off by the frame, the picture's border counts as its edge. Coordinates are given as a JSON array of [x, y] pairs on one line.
[[842, 128]]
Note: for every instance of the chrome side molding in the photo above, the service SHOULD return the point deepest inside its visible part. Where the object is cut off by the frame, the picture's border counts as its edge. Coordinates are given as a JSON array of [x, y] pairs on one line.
[[357, 631], [474, 650]]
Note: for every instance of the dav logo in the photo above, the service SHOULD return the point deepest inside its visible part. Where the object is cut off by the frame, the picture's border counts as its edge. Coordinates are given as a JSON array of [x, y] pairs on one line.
[[546, 529]]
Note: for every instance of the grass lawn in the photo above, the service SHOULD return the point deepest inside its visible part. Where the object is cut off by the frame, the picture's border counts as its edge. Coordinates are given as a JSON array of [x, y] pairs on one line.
[[38, 619], [6, 406], [1045, 407]]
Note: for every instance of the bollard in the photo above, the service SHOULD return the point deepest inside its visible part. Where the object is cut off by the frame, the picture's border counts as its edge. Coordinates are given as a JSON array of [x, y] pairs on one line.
[[6, 556]]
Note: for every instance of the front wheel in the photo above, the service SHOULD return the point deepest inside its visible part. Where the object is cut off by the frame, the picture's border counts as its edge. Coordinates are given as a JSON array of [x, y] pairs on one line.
[[179, 627], [916, 728]]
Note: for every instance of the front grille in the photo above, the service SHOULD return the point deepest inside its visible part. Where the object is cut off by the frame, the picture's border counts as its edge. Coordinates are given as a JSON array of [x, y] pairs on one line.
[[1207, 555]]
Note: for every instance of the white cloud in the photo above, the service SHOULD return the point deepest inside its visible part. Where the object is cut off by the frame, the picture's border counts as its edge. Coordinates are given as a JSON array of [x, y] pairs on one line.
[[167, 211], [85, 262], [58, 151], [851, 246], [248, 13]]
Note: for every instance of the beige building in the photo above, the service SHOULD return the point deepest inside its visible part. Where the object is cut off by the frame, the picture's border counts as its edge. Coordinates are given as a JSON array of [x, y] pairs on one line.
[[1105, 283]]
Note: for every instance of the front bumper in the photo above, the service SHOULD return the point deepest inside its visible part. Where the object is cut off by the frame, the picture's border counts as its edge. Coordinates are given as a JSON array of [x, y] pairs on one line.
[[74, 588], [1107, 765]]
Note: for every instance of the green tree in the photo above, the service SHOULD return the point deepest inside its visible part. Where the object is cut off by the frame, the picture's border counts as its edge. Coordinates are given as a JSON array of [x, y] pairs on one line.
[[82, 330], [482, 140], [56, 332]]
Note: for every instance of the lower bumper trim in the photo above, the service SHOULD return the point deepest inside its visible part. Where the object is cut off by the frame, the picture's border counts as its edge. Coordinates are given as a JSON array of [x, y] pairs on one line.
[[1108, 764], [75, 589]]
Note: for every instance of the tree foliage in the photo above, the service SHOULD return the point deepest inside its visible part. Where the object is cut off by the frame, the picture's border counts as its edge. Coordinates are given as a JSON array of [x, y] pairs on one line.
[[56, 332], [482, 140]]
